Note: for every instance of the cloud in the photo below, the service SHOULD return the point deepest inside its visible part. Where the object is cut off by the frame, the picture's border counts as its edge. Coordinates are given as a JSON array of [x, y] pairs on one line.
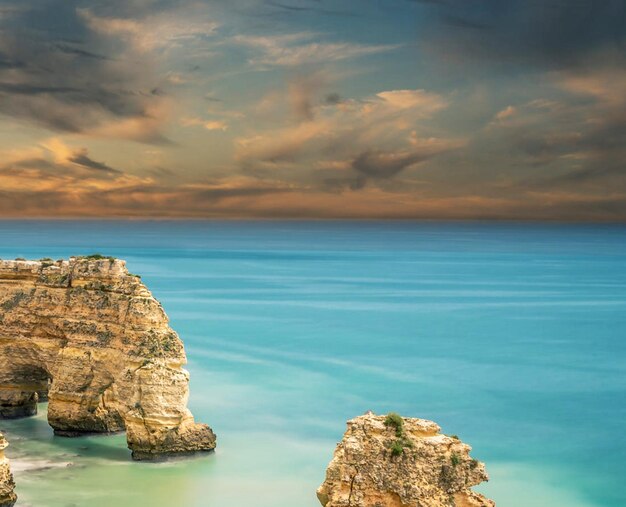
[[282, 145], [93, 74], [67, 48], [605, 84], [81, 158], [207, 124], [349, 143], [55, 175], [297, 49], [47, 181], [569, 140], [426, 103], [506, 113], [302, 89], [385, 165], [215, 125], [441, 135], [333, 98], [68, 86], [155, 31], [66, 156], [57, 180]]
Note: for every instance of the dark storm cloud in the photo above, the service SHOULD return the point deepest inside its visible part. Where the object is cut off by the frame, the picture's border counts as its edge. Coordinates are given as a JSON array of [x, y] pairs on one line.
[[556, 33], [56, 72]]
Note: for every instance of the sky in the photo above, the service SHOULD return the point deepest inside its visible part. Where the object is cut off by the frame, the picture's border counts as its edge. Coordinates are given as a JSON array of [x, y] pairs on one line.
[[411, 109]]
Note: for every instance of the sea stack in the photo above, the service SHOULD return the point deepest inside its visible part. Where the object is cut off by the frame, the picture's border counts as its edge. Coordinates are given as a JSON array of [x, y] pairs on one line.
[[7, 496], [89, 336], [390, 461]]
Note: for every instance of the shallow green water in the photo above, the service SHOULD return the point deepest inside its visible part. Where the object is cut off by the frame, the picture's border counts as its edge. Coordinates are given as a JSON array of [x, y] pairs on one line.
[[511, 336]]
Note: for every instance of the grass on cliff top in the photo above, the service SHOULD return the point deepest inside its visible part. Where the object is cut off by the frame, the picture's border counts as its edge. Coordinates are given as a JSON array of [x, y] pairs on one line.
[[396, 421], [402, 441], [97, 257]]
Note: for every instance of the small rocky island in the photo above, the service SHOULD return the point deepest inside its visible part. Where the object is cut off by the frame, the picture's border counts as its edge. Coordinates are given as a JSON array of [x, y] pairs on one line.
[[390, 461], [89, 336], [7, 496]]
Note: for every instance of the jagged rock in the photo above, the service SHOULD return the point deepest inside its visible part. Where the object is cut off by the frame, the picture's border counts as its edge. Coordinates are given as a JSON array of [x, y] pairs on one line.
[[401, 462], [91, 337], [7, 496]]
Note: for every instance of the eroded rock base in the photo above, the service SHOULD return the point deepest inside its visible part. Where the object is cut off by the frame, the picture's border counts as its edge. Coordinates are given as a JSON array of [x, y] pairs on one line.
[[18, 405]]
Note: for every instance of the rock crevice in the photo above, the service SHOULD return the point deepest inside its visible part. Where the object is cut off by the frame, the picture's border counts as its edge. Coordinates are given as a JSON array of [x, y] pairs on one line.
[[90, 337], [400, 462]]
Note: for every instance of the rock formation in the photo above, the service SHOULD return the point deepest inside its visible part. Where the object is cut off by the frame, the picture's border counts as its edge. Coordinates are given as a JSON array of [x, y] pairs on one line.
[[89, 336], [7, 496], [396, 462]]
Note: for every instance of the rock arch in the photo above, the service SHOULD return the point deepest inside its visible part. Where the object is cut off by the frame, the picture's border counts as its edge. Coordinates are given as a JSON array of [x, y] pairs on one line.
[[91, 337]]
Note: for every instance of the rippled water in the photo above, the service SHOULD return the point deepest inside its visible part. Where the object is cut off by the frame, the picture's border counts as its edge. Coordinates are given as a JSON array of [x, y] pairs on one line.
[[512, 336]]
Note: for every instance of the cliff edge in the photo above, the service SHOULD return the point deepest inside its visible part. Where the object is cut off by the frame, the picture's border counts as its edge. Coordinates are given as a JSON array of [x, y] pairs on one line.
[[390, 461], [7, 496], [89, 336]]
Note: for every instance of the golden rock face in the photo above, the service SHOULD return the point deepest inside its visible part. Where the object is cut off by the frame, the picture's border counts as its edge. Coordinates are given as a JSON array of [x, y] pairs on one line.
[[7, 496], [401, 462], [89, 336]]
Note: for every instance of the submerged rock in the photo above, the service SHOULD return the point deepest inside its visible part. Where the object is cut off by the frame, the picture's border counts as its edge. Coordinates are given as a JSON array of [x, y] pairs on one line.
[[7, 496], [390, 461], [89, 336]]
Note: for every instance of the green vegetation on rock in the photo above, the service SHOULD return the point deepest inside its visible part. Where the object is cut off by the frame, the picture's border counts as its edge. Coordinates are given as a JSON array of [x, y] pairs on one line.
[[402, 441], [98, 257], [455, 459]]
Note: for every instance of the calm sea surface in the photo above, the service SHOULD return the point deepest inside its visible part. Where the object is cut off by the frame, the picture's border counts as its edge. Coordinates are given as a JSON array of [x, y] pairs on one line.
[[511, 336]]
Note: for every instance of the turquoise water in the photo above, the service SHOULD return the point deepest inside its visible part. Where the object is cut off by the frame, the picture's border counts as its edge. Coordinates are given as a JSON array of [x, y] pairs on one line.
[[512, 336]]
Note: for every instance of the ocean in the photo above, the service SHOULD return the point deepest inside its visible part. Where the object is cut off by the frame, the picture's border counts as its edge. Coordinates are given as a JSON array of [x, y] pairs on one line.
[[511, 336]]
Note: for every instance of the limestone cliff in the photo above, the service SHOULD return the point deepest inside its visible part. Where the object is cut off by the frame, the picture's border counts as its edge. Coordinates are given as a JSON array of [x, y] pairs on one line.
[[89, 336], [396, 462], [7, 496]]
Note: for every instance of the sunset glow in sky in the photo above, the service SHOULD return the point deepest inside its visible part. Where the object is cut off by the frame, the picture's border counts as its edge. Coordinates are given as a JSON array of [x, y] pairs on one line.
[[448, 109]]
